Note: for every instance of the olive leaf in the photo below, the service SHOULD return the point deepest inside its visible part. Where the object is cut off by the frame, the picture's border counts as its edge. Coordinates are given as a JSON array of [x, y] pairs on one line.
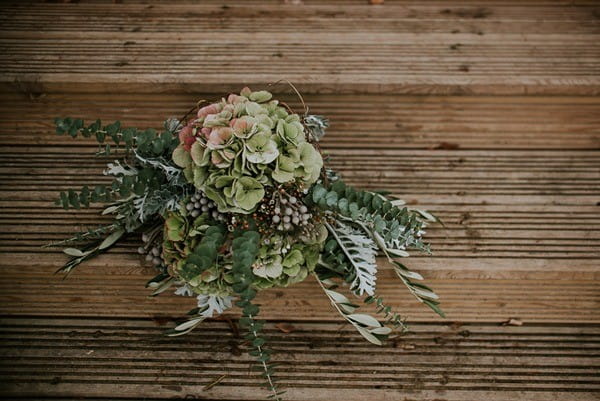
[[369, 327]]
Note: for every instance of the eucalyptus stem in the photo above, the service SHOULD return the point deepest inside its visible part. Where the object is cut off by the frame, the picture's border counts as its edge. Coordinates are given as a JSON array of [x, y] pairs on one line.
[[272, 387]]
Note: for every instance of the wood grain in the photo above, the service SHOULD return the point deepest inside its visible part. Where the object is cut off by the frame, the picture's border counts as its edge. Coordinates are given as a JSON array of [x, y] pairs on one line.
[[485, 113], [418, 49], [369, 121], [319, 361]]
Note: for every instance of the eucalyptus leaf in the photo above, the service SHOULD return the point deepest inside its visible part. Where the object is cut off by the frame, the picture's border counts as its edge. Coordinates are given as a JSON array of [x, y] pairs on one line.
[[408, 274], [347, 308], [163, 286], [398, 253], [185, 327], [337, 297], [110, 210]]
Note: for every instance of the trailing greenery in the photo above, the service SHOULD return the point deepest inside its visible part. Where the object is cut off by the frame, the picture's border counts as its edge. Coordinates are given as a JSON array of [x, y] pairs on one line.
[[145, 183], [151, 150], [90, 251], [245, 250], [129, 138], [89, 234]]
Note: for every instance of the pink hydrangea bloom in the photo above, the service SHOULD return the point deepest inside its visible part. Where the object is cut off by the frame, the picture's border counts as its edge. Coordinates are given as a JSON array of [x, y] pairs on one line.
[[186, 137], [206, 132], [219, 136], [234, 99], [241, 126], [210, 109]]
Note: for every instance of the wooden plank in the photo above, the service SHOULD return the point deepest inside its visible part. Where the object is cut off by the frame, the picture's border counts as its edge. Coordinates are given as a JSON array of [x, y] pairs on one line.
[[515, 178], [323, 361], [424, 176], [551, 232], [405, 16], [391, 121], [493, 50], [488, 290]]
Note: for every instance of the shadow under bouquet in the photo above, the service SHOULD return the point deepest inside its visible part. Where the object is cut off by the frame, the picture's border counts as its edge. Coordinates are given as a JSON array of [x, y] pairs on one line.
[[234, 199]]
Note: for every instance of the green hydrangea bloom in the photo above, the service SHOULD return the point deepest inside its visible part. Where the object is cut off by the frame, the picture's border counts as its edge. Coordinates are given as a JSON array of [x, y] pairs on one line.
[[261, 149], [248, 192], [253, 139]]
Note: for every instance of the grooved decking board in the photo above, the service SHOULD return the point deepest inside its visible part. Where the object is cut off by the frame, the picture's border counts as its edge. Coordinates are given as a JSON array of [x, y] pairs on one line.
[[413, 49], [319, 361], [98, 289], [368, 121], [423, 176], [485, 113], [406, 16], [528, 231]]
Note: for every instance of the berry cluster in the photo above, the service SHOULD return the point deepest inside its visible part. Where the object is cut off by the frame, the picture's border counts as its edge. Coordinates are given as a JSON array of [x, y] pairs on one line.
[[152, 249], [283, 211], [199, 204], [290, 214]]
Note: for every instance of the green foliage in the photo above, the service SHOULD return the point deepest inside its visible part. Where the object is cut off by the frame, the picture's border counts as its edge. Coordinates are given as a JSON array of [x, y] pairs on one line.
[[76, 126], [392, 318], [147, 142], [393, 230], [85, 196], [143, 187], [421, 291], [205, 254], [400, 228], [145, 183], [245, 249], [334, 263], [359, 253], [369, 327]]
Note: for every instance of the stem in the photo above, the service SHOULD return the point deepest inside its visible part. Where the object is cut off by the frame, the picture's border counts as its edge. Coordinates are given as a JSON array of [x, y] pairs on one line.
[[264, 364], [81, 236], [330, 299]]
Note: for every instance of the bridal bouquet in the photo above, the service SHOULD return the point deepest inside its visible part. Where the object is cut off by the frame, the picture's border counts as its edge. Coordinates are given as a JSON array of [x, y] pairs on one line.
[[234, 199]]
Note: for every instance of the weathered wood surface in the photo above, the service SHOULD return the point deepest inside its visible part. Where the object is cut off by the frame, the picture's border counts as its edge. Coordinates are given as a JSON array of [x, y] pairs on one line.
[[462, 361], [373, 121], [412, 47], [515, 178]]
